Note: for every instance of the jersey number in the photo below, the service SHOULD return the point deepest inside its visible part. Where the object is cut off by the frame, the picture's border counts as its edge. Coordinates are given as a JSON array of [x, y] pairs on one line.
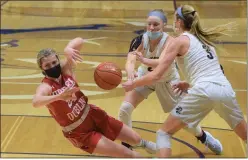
[[150, 68], [208, 50]]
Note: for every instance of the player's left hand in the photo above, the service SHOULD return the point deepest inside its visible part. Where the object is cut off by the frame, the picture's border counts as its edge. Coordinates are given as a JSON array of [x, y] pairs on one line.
[[128, 85], [73, 54], [139, 56]]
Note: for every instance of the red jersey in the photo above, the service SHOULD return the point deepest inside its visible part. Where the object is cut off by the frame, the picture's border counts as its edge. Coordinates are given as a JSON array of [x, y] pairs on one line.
[[66, 112]]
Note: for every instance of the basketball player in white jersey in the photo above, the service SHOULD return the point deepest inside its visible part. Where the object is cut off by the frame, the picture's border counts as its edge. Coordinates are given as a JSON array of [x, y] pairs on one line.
[[148, 53], [199, 62]]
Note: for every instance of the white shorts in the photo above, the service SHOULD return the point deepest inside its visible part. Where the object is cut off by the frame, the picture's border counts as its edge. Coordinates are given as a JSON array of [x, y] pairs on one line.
[[202, 98], [164, 92]]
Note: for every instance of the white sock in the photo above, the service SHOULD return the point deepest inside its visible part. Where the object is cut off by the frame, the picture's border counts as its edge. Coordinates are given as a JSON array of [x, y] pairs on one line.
[[142, 143]]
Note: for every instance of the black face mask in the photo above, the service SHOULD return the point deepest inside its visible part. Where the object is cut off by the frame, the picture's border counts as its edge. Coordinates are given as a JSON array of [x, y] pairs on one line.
[[53, 72]]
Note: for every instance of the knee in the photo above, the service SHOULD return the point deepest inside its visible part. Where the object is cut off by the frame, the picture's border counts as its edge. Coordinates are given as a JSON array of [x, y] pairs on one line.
[[241, 130], [163, 140], [125, 112]]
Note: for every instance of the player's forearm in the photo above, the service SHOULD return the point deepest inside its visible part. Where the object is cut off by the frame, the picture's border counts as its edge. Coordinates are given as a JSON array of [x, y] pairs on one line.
[[150, 62], [74, 44], [130, 66], [148, 79], [40, 101], [152, 77]]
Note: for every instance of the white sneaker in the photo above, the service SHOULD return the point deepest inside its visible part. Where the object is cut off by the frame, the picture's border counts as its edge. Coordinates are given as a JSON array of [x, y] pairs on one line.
[[213, 144], [149, 146]]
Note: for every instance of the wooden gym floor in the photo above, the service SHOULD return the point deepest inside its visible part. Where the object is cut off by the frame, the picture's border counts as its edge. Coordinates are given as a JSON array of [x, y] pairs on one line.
[[108, 27]]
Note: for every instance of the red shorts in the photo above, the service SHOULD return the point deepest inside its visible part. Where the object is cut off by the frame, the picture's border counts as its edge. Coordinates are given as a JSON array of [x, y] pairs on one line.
[[96, 124]]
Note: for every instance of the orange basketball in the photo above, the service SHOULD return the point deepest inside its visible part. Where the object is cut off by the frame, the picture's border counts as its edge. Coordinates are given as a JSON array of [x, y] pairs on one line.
[[107, 75]]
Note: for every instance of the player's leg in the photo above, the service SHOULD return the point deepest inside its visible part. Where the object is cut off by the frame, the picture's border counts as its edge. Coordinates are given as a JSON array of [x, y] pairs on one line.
[[96, 142], [163, 141], [188, 112], [129, 136], [230, 111], [168, 99], [114, 129], [131, 101], [110, 148]]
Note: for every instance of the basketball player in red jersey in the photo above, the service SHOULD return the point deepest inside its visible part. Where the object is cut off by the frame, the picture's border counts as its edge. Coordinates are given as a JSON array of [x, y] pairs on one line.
[[85, 125]]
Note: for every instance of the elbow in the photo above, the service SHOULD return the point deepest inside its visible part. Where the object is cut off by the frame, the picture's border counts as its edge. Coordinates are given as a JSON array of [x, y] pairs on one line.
[[78, 41], [35, 103]]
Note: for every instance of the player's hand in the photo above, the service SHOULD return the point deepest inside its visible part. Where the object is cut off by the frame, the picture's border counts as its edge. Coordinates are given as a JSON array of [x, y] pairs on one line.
[[73, 54], [128, 85], [180, 87], [69, 94], [139, 57], [131, 75]]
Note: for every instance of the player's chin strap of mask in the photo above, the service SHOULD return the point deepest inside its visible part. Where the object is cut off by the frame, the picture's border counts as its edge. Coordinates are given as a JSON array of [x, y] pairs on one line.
[[78, 122]]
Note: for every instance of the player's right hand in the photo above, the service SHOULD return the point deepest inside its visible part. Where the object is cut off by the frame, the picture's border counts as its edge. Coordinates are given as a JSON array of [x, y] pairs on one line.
[[180, 87], [69, 94]]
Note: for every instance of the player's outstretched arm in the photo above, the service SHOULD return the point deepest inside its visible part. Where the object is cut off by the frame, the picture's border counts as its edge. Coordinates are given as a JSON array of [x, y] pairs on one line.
[[43, 95], [72, 54]]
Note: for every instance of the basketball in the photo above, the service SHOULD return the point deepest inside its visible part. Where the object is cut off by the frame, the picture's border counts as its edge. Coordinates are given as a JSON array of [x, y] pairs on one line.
[[107, 75]]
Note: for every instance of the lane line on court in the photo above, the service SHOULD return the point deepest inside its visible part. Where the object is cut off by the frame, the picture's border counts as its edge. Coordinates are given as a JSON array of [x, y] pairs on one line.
[[13, 133], [241, 62], [10, 131], [242, 146]]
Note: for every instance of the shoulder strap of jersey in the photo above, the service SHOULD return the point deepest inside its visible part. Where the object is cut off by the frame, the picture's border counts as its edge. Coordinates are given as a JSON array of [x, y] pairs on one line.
[[161, 44]]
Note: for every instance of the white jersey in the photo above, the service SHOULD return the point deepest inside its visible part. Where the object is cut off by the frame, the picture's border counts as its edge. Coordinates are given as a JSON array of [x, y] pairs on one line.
[[143, 69], [200, 63]]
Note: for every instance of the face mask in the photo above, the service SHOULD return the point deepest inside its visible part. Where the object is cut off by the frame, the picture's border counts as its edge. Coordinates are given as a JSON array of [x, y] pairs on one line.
[[154, 35], [53, 72]]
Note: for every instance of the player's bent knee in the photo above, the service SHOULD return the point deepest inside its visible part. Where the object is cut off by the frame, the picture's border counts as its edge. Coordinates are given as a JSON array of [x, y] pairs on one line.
[[125, 112], [163, 140]]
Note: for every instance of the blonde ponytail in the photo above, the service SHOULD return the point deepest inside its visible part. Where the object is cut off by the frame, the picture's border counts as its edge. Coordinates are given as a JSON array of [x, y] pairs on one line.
[[191, 21]]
